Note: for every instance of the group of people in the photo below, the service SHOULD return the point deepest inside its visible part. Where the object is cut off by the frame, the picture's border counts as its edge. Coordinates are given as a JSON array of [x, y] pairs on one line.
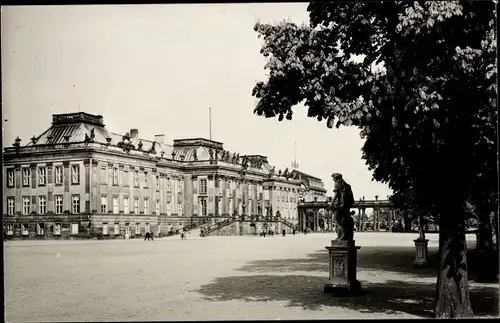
[[263, 233]]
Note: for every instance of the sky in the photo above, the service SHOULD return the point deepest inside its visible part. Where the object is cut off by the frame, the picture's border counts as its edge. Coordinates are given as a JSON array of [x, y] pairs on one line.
[[159, 68]]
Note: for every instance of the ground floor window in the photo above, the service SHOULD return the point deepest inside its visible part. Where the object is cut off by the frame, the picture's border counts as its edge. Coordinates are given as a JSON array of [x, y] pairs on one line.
[[137, 228], [203, 207], [10, 229], [57, 229], [24, 229], [74, 228], [40, 229], [147, 227], [117, 228], [105, 229]]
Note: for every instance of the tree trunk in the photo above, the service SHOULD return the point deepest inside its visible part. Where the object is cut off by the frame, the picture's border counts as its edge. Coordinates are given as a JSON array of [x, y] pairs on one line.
[[495, 226], [487, 264], [452, 288], [363, 211], [407, 222]]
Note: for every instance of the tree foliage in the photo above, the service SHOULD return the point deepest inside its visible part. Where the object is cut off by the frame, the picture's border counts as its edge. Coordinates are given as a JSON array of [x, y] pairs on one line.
[[421, 92]]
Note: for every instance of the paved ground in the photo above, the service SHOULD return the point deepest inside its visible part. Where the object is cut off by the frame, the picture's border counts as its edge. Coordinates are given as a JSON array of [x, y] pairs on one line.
[[217, 278]]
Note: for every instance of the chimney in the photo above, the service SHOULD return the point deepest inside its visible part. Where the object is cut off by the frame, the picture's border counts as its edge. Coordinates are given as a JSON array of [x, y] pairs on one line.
[[160, 138], [134, 134]]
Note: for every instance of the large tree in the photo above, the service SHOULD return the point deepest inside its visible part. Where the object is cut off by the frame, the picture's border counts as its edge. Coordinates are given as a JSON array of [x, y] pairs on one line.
[[420, 91]]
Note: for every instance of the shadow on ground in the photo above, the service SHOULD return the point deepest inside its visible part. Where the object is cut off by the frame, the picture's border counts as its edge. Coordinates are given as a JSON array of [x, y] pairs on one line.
[[391, 297], [306, 291], [388, 259]]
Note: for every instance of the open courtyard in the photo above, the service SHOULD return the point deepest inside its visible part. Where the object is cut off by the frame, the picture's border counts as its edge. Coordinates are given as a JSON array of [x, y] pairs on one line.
[[220, 278]]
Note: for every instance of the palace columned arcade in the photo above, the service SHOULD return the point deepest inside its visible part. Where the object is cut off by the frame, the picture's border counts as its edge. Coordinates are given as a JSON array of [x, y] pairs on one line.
[[77, 179], [318, 216]]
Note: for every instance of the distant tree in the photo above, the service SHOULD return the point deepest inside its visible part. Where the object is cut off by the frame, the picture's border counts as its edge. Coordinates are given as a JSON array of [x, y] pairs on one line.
[[422, 115], [414, 210]]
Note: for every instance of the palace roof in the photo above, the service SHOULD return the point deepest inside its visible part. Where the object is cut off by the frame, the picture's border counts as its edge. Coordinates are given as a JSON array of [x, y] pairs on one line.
[[82, 129]]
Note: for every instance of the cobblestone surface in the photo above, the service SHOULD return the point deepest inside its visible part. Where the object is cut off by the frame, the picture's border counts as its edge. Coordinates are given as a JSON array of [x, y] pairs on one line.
[[218, 278]]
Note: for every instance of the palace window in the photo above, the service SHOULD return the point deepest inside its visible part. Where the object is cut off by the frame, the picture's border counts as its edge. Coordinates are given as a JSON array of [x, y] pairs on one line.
[[24, 229], [57, 229], [105, 228], [74, 228], [126, 177], [26, 205], [104, 204], [203, 186], [115, 176], [59, 204], [169, 208], [10, 177], [136, 178], [146, 205], [157, 207], [136, 205], [75, 174], [10, 229], [147, 227], [42, 205], [75, 204], [126, 209], [203, 205], [179, 209], [157, 183], [40, 229], [146, 180], [137, 228], [42, 176], [11, 205], [117, 228], [26, 176], [58, 175], [115, 205], [104, 175]]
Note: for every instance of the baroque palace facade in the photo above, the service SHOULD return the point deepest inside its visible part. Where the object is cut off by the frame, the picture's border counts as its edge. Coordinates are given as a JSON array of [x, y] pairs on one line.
[[77, 180]]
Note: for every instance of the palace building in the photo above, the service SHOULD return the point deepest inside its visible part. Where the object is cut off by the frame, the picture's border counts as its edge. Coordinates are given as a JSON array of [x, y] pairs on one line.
[[78, 180]]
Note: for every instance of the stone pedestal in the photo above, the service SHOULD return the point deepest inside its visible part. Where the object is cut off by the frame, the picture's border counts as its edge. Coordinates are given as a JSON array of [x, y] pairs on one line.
[[343, 261], [421, 249]]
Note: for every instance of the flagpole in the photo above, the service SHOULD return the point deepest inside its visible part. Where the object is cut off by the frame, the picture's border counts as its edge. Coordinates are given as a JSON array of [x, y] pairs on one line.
[[295, 155], [210, 122]]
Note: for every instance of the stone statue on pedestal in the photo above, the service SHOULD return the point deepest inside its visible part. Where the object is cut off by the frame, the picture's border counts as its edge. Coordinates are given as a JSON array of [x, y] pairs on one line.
[[343, 201]]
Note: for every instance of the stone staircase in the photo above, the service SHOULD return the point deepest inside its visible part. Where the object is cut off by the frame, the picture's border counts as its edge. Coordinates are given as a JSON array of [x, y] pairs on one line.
[[208, 229], [289, 224], [217, 226], [193, 229]]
